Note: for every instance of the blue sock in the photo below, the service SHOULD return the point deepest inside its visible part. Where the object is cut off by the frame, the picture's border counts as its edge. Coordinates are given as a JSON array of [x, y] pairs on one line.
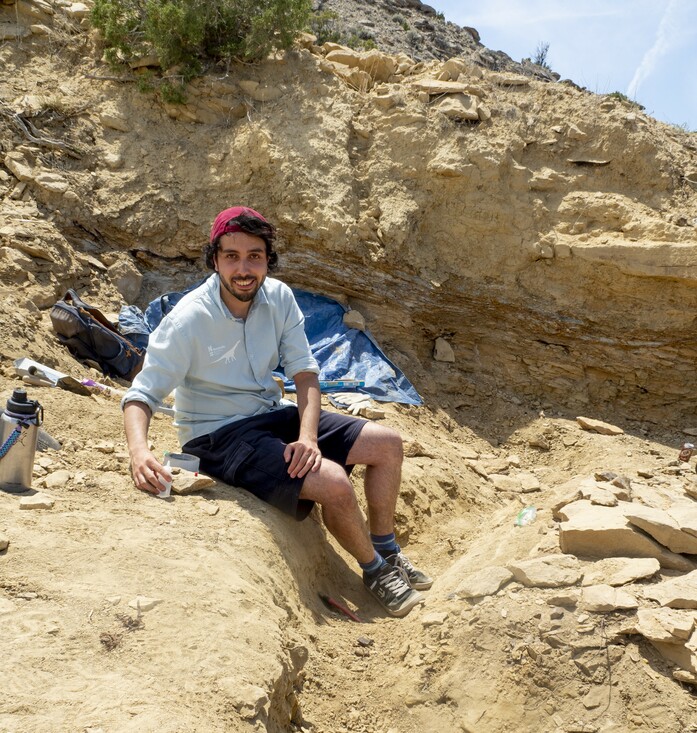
[[374, 565], [385, 544]]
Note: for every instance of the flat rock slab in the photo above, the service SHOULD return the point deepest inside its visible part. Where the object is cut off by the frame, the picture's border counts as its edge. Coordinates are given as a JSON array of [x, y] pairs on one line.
[[186, 482], [663, 528], [552, 571], [665, 625], [678, 654], [435, 618], [597, 531], [598, 426], [686, 517], [485, 582], [436, 86], [143, 603], [38, 501], [605, 598], [620, 570], [678, 592]]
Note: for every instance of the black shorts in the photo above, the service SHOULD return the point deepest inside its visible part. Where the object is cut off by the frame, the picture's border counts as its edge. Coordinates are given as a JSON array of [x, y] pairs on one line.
[[249, 453]]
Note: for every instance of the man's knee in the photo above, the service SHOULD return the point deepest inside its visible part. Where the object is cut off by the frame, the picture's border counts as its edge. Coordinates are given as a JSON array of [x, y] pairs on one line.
[[330, 486], [393, 444]]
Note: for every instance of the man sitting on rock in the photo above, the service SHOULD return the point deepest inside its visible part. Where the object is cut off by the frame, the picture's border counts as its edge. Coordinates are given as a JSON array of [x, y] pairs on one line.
[[218, 348]]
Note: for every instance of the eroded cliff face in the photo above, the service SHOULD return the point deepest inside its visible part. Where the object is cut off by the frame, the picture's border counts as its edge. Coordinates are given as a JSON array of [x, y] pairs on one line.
[[545, 232]]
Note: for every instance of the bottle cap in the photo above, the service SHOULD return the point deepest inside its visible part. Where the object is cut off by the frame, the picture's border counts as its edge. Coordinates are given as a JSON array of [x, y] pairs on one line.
[[18, 404]]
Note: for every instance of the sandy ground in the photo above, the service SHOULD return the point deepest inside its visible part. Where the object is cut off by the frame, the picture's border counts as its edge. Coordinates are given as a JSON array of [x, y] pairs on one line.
[[237, 637]]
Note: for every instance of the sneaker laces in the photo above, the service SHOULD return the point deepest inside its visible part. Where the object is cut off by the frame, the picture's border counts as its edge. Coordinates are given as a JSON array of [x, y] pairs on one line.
[[396, 580], [405, 563]]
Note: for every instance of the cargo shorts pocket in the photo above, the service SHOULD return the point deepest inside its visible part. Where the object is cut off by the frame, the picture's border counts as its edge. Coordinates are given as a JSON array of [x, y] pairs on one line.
[[240, 453]]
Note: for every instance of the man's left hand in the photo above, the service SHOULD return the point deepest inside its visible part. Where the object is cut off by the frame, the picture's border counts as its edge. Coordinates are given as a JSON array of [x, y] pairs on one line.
[[303, 456]]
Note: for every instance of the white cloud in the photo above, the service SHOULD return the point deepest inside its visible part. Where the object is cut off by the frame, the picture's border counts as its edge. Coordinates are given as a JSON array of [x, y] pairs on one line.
[[668, 36]]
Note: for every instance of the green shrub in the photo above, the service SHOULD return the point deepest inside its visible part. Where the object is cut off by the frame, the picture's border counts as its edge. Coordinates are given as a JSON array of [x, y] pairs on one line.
[[194, 33], [325, 25], [620, 97]]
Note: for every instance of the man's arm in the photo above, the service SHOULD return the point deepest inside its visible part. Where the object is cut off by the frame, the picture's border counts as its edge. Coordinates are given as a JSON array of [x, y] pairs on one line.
[[146, 469], [303, 455]]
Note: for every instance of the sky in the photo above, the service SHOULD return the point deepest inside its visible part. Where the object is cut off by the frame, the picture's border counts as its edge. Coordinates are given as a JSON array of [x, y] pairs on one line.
[[646, 49]]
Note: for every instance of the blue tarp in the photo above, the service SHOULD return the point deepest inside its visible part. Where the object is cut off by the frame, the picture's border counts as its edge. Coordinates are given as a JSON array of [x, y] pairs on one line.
[[341, 352]]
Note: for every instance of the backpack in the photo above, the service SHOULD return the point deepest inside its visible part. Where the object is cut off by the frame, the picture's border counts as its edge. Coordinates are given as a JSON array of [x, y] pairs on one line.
[[89, 336]]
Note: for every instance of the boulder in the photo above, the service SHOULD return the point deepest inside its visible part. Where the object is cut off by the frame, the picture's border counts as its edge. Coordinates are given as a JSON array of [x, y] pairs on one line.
[[458, 107], [595, 531], [127, 278], [379, 66], [663, 528]]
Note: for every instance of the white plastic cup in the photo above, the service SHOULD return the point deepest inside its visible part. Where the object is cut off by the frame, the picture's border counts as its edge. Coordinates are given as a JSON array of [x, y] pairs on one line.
[[182, 460], [167, 490]]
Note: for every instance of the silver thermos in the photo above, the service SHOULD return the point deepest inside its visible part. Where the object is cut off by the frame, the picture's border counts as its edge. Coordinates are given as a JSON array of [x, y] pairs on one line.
[[19, 434]]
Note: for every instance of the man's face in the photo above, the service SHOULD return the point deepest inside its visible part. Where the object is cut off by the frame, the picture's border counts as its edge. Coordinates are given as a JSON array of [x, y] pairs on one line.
[[242, 264]]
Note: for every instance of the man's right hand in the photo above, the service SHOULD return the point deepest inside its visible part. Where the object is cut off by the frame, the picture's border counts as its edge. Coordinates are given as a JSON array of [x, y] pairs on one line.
[[147, 472]]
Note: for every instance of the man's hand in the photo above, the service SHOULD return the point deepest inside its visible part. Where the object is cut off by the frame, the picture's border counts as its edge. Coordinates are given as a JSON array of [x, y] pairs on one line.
[[147, 472], [303, 456]]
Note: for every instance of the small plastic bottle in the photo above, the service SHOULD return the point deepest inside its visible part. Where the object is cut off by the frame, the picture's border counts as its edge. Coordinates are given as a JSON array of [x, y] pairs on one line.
[[526, 516]]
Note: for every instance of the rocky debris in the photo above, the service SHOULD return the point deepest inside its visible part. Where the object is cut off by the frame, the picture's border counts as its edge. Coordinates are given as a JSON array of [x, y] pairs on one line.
[[209, 507], [143, 603], [598, 531], [4, 542], [354, 319], [665, 625], [605, 598], [617, 571], [485, 582], [663, 527], [56, 479], [680, 592], [185, 482], [553, 571], [434, 618], [413, 449], [521, 482], [443, 351], [598, 426], [36, 501]]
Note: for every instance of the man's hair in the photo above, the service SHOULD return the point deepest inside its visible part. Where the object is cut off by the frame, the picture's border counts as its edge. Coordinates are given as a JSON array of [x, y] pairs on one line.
[[249, 225]]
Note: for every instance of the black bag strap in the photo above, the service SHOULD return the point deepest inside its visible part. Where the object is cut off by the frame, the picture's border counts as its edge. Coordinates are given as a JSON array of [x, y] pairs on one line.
[[72, 298]]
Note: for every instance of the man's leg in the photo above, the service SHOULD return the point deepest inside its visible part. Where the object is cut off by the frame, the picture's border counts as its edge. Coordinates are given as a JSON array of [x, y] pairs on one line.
[[331, 488], [380, 450]]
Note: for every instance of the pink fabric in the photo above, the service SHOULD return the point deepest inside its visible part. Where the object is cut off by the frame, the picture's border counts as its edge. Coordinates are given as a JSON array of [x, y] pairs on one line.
[[220, 225]]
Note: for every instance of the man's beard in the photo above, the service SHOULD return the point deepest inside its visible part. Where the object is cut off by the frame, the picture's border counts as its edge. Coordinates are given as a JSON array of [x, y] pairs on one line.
[[244, 296]]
